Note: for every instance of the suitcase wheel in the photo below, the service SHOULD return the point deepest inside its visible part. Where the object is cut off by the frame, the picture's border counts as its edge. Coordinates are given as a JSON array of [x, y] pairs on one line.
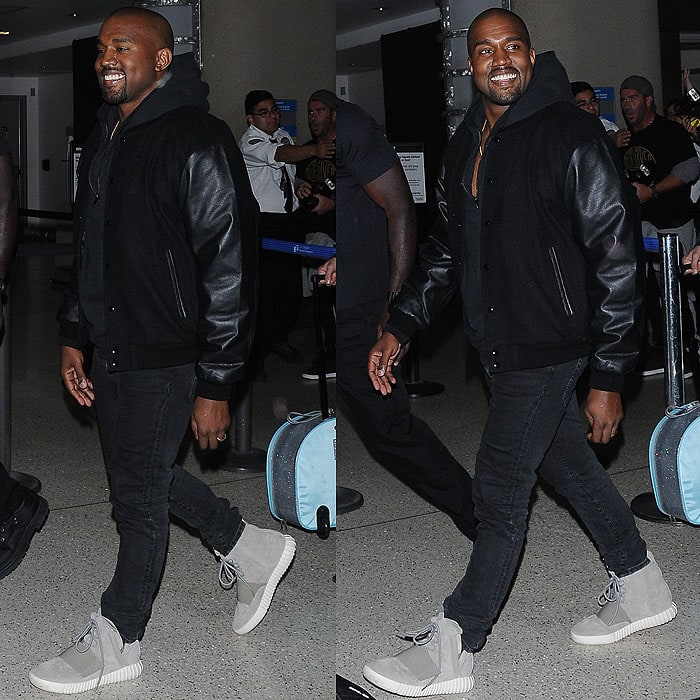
[[323, 522]]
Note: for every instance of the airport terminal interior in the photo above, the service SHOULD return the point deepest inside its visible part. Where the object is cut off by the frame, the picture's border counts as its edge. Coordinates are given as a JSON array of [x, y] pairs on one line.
[[395, 558]]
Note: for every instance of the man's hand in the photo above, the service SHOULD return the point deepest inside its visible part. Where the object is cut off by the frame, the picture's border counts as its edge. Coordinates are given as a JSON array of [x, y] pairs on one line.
[[328, 273], [325, 205], [692, 260], [386, 354], [210, 421], [304, 190], [622, 137], [643, 192], [604, 413], [325, 149], [73, 376]]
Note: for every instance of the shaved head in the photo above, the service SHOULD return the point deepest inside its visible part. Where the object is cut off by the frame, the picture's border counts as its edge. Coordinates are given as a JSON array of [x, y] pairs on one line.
[[496, 12], [155, 24]]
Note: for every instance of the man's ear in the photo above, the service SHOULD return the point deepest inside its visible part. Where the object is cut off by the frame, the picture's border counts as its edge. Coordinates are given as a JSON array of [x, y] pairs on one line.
[[249, 119], [164, 58]]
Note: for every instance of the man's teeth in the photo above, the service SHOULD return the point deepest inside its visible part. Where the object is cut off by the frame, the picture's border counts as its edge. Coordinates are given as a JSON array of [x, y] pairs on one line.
[[110, 77], [503, 77]]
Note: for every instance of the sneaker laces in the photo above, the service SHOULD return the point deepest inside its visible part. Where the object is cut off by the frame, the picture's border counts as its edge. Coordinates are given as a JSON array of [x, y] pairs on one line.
[[92, 630], [611, 594], [230, 572], [423, 636]]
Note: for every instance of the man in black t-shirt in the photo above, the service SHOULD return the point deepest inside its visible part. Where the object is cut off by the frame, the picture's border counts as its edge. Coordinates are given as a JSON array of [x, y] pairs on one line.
[[376, 242], [316, 193], [660, 161]]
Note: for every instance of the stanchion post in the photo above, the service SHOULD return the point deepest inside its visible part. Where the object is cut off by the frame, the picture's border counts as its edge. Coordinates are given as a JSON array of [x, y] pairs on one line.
[[644, 505]]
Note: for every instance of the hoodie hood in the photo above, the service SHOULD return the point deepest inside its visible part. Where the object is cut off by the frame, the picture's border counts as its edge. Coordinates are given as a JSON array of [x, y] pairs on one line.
[[181, 86], [549, 84]]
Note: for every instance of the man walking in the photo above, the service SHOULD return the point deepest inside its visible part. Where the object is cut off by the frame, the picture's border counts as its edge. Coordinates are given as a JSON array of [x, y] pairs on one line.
[[540, 232], [164, 288]]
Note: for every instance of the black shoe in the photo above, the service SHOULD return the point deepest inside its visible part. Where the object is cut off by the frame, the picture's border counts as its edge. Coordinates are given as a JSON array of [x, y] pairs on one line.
[[347, 690], [289, 354], [17, 531], [314, 374], [651, 362], [347, 500]]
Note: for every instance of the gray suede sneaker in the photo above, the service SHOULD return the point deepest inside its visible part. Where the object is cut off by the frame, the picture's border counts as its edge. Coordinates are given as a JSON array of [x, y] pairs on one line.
[[628, 604], [257, 563], [96, 657], [434, 665]]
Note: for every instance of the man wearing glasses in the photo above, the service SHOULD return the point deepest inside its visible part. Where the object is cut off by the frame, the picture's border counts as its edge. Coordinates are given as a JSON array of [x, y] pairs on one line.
[[585, 99], [270, 155]]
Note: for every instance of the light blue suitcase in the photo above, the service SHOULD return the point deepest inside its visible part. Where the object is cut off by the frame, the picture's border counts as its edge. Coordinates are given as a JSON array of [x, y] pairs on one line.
[[674, 462], [301, 472]]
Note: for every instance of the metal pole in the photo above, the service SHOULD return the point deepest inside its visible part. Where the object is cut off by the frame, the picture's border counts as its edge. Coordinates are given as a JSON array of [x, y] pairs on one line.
[[644, 505], [670, 266]]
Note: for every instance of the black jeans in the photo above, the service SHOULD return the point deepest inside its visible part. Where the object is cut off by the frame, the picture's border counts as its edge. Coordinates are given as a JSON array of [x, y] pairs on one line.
[[143, 416], [534, 424], [398, 440]]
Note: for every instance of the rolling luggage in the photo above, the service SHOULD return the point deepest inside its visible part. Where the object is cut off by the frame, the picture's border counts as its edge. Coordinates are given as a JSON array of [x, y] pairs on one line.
[[674, 447], [301, 459]]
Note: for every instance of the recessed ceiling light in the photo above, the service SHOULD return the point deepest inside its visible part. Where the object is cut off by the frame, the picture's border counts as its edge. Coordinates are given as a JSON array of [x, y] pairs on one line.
[[4, 33], [382, 8]]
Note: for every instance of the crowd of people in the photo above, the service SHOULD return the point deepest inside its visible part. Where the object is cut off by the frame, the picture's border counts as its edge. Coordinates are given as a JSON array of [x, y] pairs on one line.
[[168, 201]]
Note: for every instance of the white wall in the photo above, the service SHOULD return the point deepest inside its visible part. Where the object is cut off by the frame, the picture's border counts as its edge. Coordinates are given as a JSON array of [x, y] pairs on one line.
[[366, 89]]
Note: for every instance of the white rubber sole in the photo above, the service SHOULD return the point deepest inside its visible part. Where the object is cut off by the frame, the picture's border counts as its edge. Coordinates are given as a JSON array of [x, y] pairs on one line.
[[456, 685], [654, 621], [290, 547], [127, 673]]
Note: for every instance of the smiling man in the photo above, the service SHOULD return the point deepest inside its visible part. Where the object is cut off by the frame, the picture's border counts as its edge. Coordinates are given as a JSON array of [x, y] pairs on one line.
[[164, 289], [539, 230]]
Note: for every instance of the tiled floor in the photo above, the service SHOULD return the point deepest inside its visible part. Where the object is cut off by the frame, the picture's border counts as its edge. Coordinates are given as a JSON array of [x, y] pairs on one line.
[[396, 556], [398, 559], [189, 650]]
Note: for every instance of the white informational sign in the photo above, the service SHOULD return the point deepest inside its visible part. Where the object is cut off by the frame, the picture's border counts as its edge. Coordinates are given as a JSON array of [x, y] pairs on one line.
[[413, 163]]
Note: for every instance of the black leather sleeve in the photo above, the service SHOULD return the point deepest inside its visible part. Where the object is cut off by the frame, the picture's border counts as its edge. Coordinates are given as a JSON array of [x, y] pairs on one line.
[[605, 215], [221, 216]]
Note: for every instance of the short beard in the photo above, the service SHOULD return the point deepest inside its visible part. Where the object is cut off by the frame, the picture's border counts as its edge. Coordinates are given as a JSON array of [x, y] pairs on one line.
[[498, 98], [115, 98]]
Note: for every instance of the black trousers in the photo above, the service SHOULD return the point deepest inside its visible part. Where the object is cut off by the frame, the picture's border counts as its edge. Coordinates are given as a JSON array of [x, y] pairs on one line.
[[398, 440]]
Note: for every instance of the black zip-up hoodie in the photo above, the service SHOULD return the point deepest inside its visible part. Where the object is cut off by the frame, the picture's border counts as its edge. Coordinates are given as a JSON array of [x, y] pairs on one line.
[[180, 238], [560, 247]]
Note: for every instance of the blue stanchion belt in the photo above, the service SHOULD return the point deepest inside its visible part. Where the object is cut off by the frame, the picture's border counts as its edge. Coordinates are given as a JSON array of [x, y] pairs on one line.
[[651, 245], [306, 249]]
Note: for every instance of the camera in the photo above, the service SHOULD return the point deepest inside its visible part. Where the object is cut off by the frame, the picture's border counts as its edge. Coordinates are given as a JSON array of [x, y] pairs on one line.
[[325, 188], [689, 106]]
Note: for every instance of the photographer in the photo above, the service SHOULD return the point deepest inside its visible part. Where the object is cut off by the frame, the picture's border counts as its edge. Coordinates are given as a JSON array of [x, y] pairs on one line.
[[661, 163]]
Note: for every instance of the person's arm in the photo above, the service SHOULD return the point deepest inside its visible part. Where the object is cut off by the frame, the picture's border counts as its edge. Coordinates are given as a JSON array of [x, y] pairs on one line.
[[221, 218], [291, 153], [608, 229], [9, 202], [391, 192], [682, 173]]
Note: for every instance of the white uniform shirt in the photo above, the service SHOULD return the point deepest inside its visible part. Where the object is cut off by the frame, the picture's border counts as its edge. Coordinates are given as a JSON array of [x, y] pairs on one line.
[[265, 173]]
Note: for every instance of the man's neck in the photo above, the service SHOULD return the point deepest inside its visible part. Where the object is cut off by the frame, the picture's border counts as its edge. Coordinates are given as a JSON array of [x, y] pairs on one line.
[[647, 121]]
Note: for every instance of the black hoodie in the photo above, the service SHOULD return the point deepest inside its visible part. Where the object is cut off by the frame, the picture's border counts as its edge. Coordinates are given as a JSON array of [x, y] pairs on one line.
[[559, 245], [178, 238]]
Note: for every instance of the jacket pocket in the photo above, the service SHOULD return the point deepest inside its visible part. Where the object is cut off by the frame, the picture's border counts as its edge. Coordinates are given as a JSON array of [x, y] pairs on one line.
[[563, 294], [176, 286]]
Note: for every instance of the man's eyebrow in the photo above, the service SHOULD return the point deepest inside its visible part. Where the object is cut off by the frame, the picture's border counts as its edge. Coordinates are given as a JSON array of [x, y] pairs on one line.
[[118, 40], [482, 42]]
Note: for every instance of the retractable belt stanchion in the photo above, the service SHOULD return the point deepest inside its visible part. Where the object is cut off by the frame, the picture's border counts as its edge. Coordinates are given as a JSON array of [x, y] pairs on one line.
[[243, 456], [644, 506]]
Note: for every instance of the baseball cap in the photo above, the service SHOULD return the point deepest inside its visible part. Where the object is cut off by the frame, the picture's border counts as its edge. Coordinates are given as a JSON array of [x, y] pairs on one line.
[[638, 83]]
